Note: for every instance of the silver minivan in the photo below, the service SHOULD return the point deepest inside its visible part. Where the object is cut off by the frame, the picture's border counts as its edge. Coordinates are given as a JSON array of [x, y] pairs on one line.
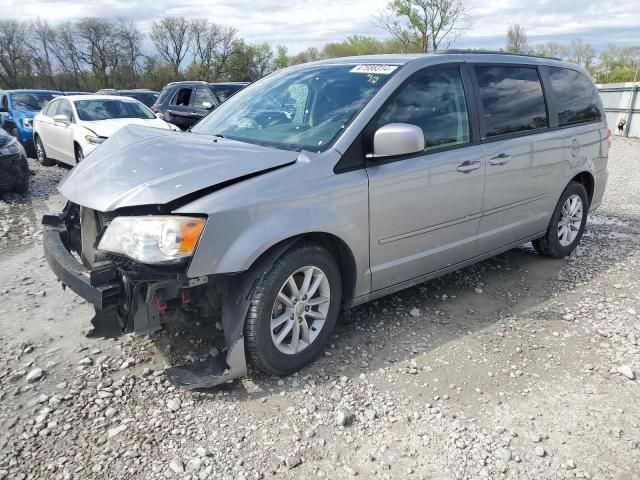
[[326, 185]]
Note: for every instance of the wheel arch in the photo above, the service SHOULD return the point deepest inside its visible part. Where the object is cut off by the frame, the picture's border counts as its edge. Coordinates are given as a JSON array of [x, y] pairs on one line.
[[334, 245], [587, 180]]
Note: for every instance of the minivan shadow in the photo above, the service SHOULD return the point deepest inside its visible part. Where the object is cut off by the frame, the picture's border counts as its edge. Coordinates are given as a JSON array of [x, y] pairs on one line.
[[389, 331]]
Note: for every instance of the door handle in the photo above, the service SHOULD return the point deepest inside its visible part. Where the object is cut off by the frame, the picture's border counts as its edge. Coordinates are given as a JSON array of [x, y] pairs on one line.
[[500, 159], [468, 166]]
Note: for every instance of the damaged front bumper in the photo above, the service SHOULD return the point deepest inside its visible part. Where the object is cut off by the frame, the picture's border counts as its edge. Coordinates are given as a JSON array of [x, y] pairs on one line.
[[133, 301]]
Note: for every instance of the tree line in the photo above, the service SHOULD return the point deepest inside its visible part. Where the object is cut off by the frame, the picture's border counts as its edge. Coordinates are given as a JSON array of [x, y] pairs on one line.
[[612, 65], [94, 53]]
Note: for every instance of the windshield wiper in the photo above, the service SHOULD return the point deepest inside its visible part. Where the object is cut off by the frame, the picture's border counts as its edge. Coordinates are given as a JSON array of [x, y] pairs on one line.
[[219, 135]]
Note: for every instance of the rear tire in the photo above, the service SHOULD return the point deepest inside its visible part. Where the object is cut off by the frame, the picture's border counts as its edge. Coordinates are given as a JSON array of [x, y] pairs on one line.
[[281, 312], [42, 154], [567, 223]]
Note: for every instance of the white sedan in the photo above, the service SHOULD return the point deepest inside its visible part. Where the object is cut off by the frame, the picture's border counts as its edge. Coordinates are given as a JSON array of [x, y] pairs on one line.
[[69, 128]]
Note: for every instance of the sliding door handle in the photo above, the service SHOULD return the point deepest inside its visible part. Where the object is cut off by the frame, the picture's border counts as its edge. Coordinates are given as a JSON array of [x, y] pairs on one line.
[[468, 166], [500, 159]]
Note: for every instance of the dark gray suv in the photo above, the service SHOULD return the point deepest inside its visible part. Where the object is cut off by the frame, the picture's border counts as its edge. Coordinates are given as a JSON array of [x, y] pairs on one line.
[[184, 103], [327, 185]]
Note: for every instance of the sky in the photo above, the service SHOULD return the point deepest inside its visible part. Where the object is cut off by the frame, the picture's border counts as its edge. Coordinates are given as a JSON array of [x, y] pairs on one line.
[[299, 24]]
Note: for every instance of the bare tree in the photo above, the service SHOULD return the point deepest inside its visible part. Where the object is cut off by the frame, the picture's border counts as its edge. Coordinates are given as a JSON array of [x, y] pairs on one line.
[[550, 49], [14, 59], [581, 53], [517, 40], [423, 25], [172, 39], [130, 39], [67, 54], [100, 48], [41, 37]]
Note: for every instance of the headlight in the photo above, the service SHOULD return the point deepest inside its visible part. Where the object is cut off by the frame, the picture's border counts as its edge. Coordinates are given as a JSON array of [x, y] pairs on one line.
[[153, 238], [10, 148], [94, 140], [27, 123]]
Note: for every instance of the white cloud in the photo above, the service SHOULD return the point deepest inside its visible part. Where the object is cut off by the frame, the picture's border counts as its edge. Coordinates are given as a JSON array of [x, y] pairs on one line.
[[303, 23]]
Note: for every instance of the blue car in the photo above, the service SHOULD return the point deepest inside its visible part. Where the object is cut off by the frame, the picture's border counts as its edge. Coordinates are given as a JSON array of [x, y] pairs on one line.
[[17, 109]]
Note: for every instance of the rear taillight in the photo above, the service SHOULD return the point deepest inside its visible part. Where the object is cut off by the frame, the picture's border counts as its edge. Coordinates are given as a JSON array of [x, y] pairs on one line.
[[609, 137]]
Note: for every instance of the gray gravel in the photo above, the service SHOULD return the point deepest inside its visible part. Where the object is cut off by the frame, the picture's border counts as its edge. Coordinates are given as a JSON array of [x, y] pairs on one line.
[[519, 367]]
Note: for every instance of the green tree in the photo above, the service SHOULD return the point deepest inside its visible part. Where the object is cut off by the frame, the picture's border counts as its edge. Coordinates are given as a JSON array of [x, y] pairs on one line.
[[423, 25]]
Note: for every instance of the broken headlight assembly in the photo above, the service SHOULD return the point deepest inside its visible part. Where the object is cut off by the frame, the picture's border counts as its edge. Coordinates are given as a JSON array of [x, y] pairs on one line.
[[152, 239]]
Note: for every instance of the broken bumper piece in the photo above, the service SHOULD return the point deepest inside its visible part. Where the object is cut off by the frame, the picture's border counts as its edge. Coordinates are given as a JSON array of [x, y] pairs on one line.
[[210, 372]]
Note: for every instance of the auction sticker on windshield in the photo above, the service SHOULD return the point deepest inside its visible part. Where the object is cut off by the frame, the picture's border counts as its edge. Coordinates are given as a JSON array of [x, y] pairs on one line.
[[379, 69]]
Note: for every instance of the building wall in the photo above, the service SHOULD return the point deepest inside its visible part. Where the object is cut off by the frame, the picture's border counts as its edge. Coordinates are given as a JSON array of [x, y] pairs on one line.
[[617, 99]]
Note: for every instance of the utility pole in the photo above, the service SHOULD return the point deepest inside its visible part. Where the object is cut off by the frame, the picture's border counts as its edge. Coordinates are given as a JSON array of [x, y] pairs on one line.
[[632, 102]]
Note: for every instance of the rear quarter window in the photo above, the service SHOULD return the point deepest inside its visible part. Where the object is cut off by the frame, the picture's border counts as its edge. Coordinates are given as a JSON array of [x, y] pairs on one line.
[[512, 100], [576, 97]]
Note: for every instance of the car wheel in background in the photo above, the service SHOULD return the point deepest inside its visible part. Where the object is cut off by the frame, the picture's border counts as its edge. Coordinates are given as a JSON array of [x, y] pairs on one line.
[[41, 154], [78, 152], [567, 223], [293, 310]]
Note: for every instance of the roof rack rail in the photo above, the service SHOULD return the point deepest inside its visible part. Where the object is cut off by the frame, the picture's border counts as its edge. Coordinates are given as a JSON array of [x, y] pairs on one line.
[[188, 81], [490, 52]]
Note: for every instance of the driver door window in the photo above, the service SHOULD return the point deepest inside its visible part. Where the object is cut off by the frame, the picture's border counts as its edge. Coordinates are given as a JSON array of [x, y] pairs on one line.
[[65, 109], [204, 98], [435, 102]]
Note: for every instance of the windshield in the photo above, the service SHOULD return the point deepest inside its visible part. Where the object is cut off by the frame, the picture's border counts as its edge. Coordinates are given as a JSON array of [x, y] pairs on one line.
[[297, 109], [30, 102], [92, 110]]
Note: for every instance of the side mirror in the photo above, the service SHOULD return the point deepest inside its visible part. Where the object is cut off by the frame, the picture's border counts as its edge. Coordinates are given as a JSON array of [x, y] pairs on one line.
[[61, 119], [397, 139], [207, 105]]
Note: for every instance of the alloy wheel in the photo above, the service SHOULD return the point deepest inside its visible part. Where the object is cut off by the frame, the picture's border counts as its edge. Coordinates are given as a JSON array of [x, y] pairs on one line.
[[300, 310], [570, 220]]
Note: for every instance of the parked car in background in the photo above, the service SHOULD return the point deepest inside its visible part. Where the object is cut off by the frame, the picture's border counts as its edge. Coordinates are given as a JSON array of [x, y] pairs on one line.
[[14, 170], [17, 109], [144, 95], [69, 128], [327, 185], [185, 103]]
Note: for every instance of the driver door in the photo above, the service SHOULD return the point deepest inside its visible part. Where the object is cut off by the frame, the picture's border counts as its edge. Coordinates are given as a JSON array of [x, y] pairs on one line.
[[179, 110], [425, 208], [62, 135], [203, 102]]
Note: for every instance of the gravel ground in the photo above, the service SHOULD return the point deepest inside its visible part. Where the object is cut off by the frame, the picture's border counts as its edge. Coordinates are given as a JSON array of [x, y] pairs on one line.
[[519, 367]]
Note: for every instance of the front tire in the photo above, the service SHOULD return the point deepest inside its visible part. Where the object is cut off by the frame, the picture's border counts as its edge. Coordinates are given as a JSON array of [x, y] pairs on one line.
[[79, 153], [293, 310], [42, 154], [567, 223]]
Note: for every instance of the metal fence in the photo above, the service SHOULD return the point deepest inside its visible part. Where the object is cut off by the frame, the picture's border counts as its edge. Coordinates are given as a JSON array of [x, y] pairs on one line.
[[621, 101]]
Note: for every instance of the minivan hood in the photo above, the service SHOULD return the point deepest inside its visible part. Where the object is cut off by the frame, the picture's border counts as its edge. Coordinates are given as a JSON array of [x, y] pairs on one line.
[[147, 166], [106, 128]]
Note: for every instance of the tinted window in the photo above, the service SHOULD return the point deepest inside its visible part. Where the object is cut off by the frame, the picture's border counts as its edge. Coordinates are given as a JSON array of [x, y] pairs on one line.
[[148, 98], [182, 97], [65, 109], [204, 96], [576, 96], [435, 102], [512, 100], [225, 91]]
